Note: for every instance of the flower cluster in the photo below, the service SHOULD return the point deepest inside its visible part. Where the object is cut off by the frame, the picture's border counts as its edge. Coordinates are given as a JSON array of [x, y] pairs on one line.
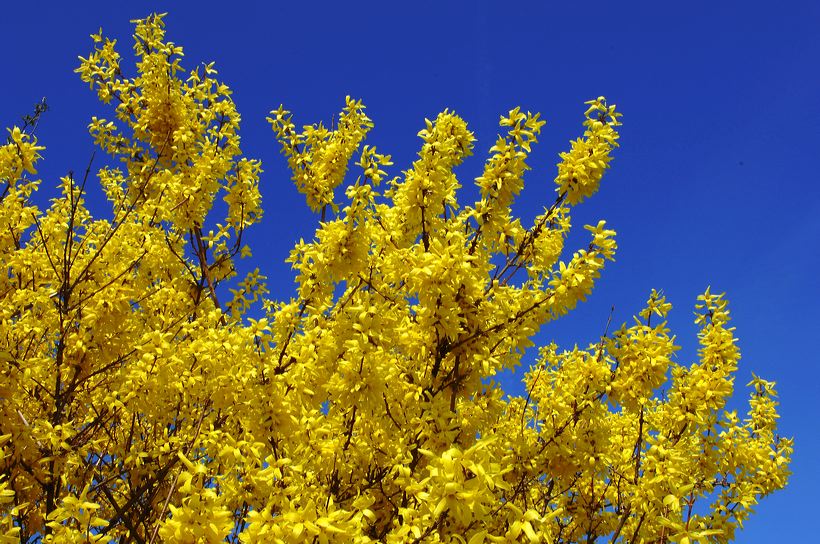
[[134, 406]]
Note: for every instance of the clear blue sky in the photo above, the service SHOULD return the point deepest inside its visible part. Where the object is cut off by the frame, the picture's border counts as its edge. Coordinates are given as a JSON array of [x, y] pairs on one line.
[[715, 184]]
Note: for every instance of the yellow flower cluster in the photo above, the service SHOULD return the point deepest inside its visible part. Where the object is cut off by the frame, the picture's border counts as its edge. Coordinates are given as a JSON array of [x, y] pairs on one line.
[[135, 407], [17, 158], [581, 169], [319, 156]]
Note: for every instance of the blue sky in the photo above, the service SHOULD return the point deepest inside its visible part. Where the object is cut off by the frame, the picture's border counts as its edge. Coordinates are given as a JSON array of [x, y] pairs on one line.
[[715, 182]]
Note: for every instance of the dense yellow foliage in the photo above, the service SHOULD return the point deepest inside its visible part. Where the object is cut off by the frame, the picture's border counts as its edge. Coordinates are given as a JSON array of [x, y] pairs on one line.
[[137, 407]]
